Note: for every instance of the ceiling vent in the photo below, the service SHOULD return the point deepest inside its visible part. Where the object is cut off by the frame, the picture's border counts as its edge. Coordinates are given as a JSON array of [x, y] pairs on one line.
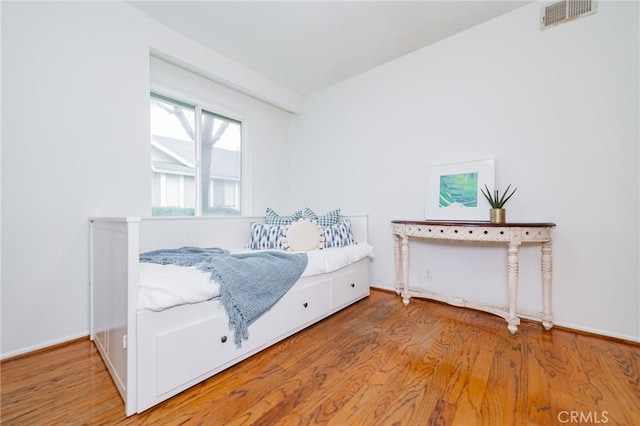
[[565, 11]]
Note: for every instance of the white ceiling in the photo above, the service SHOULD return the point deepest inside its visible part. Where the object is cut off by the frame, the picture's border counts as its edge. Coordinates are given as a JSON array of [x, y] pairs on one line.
[[309, 45]]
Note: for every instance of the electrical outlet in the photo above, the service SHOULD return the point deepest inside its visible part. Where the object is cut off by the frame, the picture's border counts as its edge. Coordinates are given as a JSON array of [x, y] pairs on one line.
[[427, 275]]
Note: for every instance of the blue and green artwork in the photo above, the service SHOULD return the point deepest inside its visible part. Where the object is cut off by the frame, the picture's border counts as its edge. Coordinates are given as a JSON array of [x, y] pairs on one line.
[[460, 190]]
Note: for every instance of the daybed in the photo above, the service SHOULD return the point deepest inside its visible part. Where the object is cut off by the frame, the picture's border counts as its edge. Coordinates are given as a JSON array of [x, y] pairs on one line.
[[153, 355]]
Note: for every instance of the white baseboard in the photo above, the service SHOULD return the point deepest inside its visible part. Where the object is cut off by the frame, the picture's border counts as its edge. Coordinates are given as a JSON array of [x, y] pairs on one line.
[[38, 347], [569, 326], [566, 325]]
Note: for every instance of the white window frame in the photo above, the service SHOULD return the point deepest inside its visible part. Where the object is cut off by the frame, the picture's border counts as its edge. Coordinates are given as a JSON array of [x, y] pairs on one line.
[[201, 104]]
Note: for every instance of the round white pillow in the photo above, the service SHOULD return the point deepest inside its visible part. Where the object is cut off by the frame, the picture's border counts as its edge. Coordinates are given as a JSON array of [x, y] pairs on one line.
[[303, 235]]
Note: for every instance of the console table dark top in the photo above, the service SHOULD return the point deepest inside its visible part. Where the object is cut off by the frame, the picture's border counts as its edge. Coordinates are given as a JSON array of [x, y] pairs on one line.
[[476, 223]]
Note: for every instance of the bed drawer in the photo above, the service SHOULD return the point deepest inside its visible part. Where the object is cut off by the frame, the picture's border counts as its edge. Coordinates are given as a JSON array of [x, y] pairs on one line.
[[352, 285], [301, 305], [196, 349], [201, 348]]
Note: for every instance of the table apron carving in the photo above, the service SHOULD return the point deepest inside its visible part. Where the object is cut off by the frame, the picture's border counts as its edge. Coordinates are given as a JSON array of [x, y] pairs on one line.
[[511, 234]]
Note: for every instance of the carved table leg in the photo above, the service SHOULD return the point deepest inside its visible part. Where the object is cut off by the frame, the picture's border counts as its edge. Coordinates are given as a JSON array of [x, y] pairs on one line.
[[405, 269], [547, 269], [398, 260], [512, 272]]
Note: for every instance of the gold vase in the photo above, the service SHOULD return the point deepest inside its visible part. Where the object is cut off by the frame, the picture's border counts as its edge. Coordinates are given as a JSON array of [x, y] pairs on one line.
[[497, 215]]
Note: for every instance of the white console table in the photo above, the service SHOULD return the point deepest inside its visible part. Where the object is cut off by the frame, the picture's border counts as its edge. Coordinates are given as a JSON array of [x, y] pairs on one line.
[[511, 234]]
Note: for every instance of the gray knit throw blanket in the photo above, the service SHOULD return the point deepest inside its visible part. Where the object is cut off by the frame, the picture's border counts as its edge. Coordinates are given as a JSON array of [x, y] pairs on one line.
[[250, 283]]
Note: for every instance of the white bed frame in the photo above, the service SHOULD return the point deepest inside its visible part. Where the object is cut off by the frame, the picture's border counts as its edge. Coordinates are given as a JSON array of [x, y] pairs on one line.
[[153, 356]]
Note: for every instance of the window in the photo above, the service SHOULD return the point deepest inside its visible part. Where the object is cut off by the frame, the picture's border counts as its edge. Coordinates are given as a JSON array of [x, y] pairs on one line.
[[196, 160]]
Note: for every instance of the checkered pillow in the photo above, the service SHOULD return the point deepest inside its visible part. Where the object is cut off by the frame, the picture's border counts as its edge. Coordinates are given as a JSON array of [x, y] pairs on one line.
[[273, 218], [264, 236], [339, 235], [329, 219]]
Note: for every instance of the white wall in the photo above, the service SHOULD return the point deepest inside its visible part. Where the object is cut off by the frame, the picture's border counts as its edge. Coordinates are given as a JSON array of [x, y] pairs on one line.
[[557, 109], [74, 126], [75, 83], [75, 144]]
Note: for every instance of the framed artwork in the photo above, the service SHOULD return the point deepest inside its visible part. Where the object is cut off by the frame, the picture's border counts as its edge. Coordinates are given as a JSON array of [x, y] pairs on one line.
[[453, 190]]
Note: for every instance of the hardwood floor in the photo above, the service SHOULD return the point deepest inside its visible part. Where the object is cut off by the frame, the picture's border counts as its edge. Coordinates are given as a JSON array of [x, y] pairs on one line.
[[375, 363]]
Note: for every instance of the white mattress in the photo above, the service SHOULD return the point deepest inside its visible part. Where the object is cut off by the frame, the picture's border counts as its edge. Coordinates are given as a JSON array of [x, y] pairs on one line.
[[164, 286]]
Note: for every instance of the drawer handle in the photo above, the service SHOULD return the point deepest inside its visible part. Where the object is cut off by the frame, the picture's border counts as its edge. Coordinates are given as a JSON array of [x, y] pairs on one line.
[[305, 304], [353, 285], [223, 339]]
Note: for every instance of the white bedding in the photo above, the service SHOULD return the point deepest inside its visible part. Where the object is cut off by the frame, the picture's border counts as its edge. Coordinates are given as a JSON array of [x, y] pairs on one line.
[[164, 286]]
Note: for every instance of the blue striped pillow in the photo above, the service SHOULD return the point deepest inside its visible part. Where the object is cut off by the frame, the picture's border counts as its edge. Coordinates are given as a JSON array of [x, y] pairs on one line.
[[339, 235], [265, 236]]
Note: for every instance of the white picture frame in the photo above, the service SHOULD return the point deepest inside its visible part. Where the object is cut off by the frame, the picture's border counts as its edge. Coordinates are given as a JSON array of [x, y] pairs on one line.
[[454, 190]]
